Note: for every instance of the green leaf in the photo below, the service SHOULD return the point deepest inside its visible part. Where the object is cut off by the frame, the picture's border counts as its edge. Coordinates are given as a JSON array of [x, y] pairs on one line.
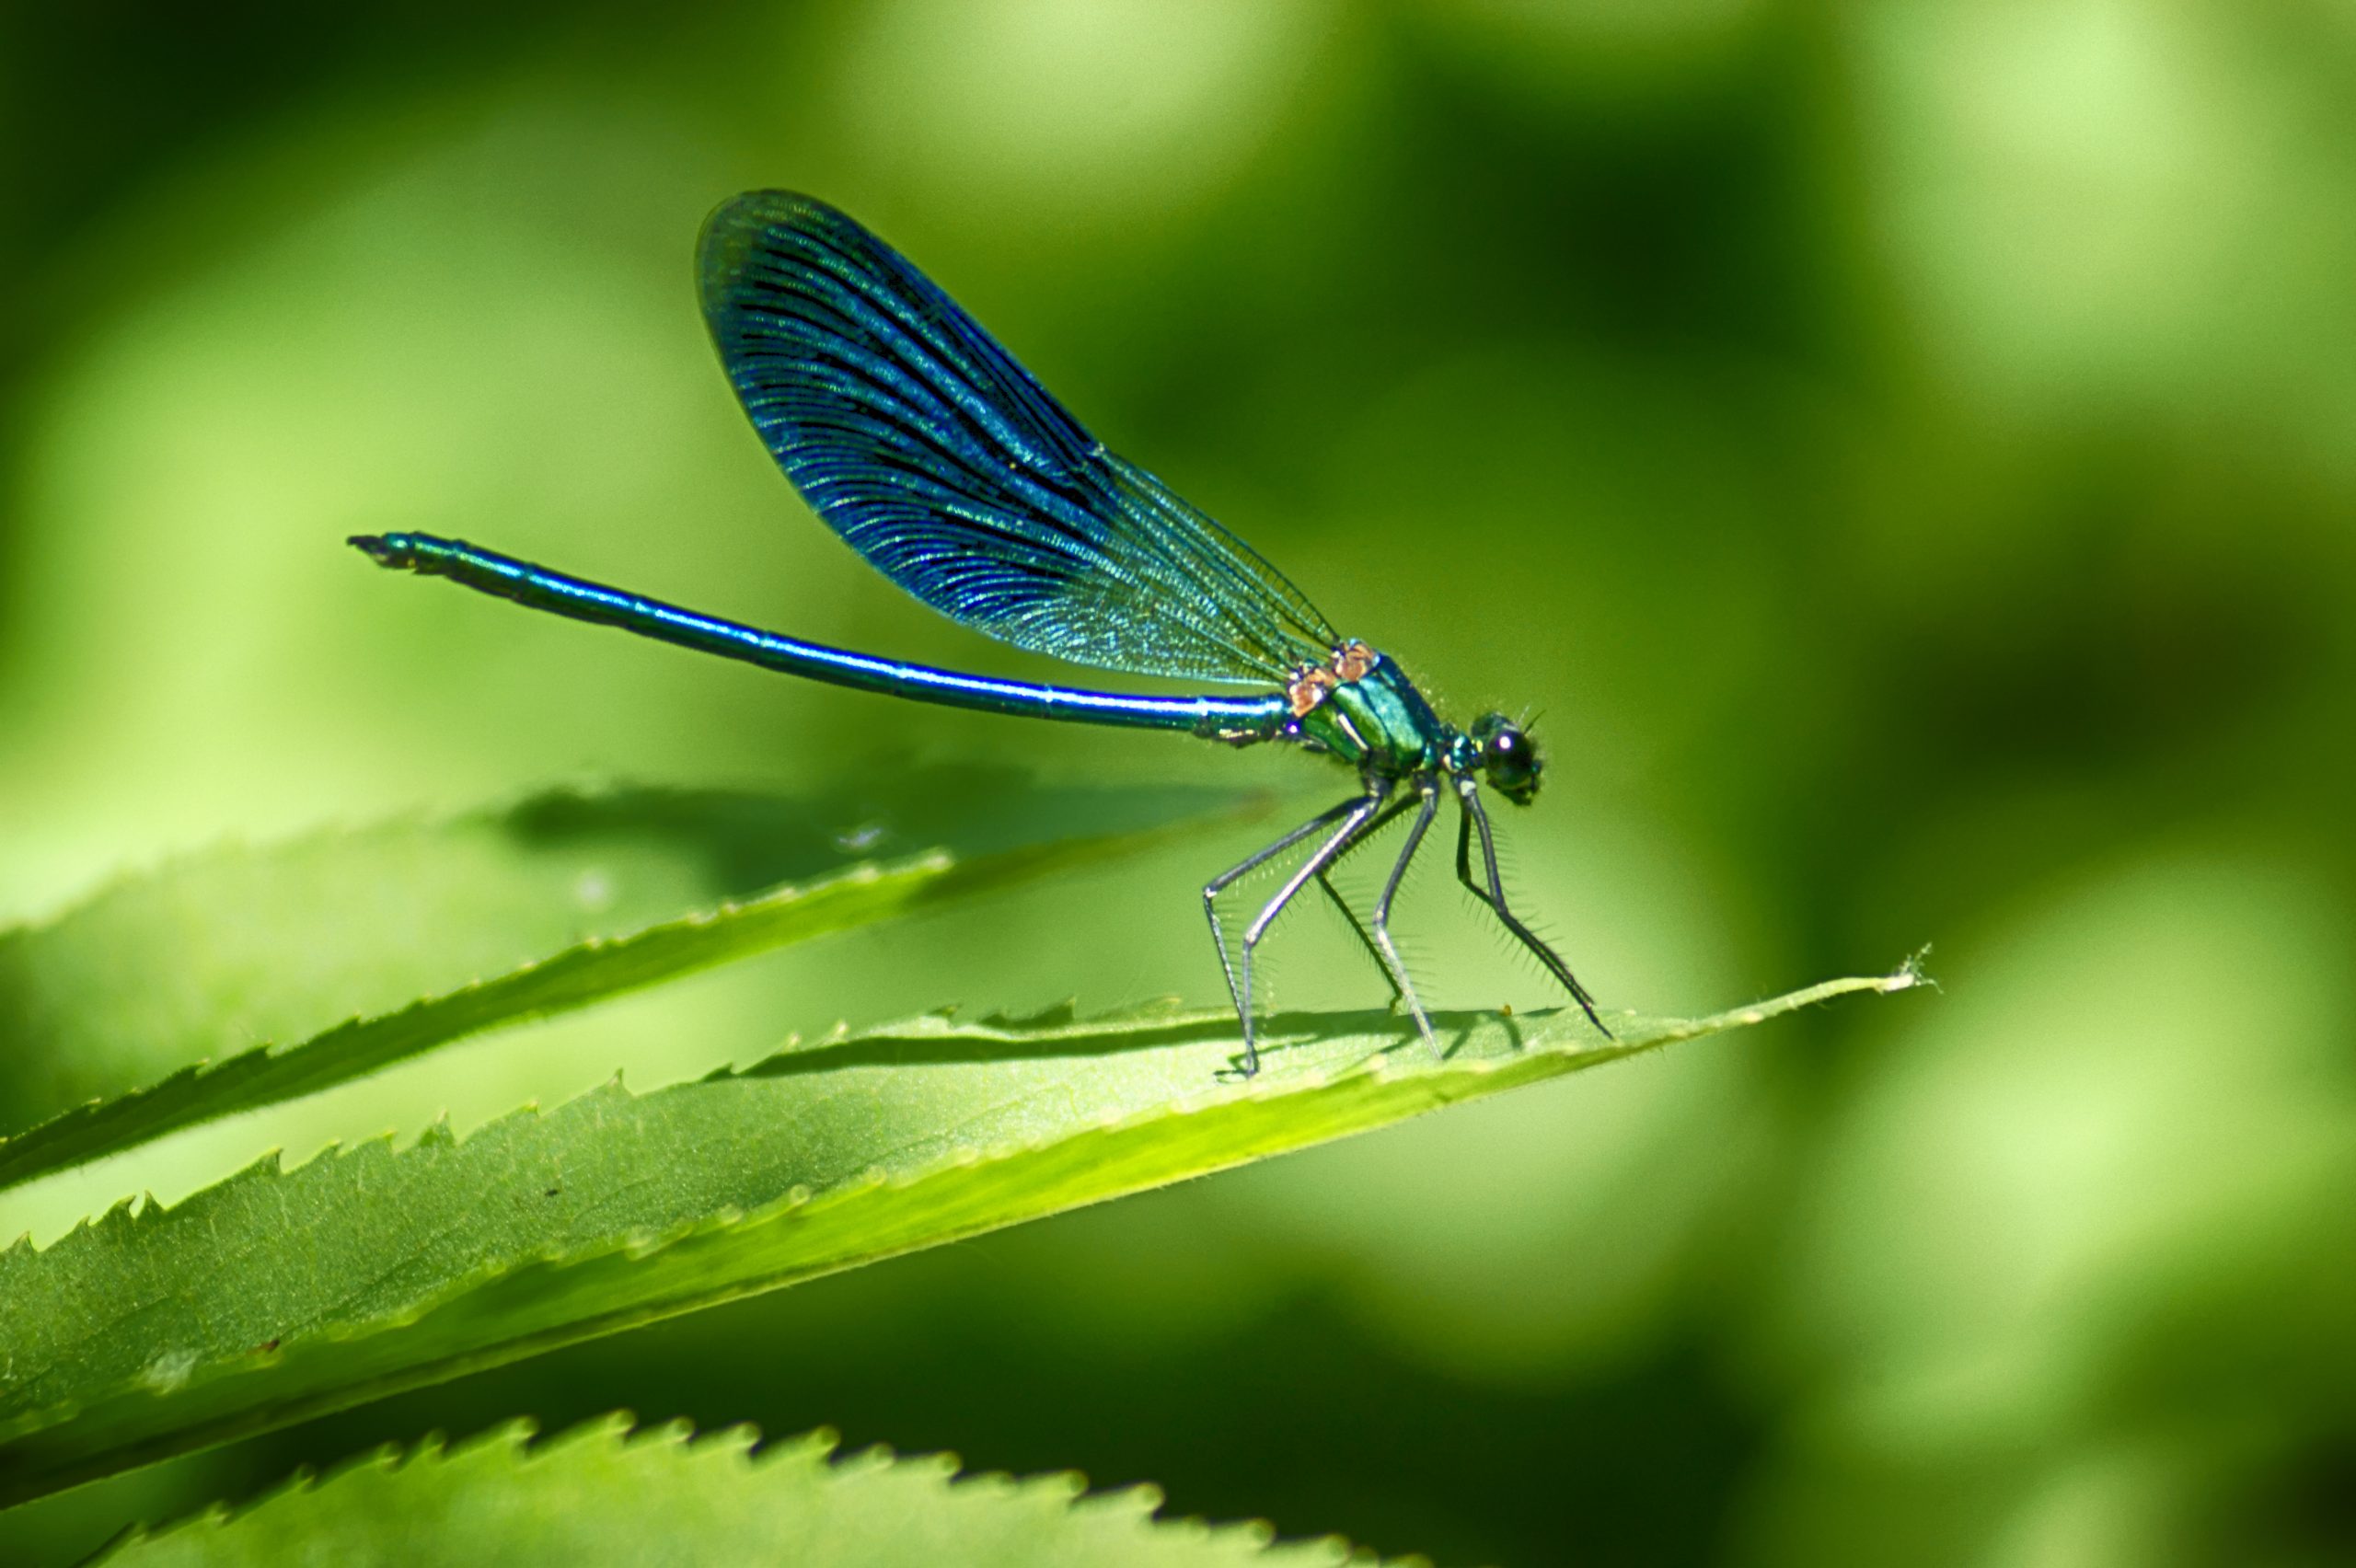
[[597, 1494], [491, 918], [276, 1296]]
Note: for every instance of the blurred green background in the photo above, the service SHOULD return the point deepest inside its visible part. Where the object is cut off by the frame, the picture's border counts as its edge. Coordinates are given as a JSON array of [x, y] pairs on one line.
[[1904, 453]]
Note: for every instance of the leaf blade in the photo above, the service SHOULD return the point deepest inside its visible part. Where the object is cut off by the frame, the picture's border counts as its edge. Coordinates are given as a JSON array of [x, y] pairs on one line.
[[617, 1210], [663, 934], [600, 1494]]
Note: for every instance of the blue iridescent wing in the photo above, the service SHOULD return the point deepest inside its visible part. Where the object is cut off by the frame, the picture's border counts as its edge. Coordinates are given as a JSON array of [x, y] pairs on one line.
[[935, 455]]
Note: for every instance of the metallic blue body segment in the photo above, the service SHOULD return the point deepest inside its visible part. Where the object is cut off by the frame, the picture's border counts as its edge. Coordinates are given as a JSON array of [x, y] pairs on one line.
[[1237, 719], [922, 442]]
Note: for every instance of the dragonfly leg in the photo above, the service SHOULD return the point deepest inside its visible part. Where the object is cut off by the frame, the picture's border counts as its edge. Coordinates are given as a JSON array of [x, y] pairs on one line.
[[1494, 895], [1354, 821], [1240, 991], [1389, 952], [1358, 929], [1357, 926]]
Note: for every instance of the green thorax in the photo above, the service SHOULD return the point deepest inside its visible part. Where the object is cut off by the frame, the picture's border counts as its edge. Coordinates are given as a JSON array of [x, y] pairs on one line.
[[1364, 711]]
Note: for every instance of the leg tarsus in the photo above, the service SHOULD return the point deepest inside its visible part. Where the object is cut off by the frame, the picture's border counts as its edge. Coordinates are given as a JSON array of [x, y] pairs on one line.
[[1392, 965], [1494, 895], [1355, 819], [1240, 994]]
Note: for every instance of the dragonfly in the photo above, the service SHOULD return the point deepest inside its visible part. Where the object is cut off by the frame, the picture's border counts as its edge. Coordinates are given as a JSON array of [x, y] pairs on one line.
[[936, 456]]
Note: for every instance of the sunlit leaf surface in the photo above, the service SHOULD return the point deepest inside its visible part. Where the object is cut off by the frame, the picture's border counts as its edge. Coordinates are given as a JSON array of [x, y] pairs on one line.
[[312, 964], [278, 1295]]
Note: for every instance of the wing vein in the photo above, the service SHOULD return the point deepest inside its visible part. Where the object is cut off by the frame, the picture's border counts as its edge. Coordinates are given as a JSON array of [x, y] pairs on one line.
[[929, 450]]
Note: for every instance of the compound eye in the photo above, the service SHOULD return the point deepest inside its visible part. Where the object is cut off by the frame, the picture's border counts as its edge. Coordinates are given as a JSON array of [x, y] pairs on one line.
[[1509, 749], [1508, 756], [1499, 737]]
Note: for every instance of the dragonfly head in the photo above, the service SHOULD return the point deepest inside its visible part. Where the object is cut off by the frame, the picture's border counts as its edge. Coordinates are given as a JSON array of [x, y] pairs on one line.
[[1506, 757]]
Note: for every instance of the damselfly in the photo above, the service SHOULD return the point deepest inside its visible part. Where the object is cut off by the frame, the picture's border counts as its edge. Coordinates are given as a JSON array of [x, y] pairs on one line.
[[922, 443]]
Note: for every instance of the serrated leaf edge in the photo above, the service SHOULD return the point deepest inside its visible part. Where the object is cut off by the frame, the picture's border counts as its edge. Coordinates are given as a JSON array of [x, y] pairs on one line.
[[1453, 1081], [819, 1449], [36, 1152]]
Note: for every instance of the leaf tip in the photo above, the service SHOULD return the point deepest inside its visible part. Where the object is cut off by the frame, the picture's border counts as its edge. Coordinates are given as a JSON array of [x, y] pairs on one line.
[[676, 1433], [1144, 1499], [815, 1446], [1070, 1483], [944, 1465], [866, 1462], [1911, 973], [521, 1430], [738, 1439]]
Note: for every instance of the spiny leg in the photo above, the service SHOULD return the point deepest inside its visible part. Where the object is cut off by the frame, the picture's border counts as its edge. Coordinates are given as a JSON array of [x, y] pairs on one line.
[[1357, 927], [1353, 824], [1240, 994], [1494, 895], [1391, 964]]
